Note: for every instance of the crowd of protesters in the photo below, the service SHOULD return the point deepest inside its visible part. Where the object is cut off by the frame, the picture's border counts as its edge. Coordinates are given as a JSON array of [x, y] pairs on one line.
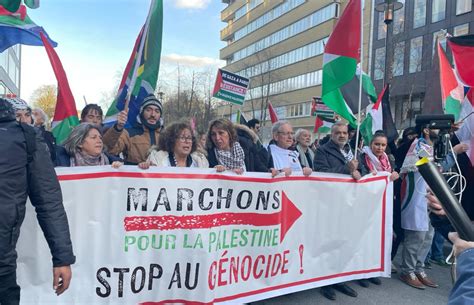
[[238, 148]]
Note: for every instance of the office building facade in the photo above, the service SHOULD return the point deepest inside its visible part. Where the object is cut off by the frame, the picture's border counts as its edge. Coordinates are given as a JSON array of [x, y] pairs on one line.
[[10, 67], [279, 45], [411, 43]]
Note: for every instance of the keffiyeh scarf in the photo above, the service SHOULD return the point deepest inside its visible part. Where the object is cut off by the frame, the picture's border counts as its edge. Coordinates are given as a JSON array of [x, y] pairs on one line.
[[380, 164], [233, 158]]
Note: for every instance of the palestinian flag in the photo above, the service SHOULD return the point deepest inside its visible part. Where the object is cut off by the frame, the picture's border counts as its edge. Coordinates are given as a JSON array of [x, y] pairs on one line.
[[340, 90], [466, 133], [379, 117], [321, 126], [17, 28], [452, 92], [462, 48], [65, 114], [272, 112], [373, 120], [432, 104]]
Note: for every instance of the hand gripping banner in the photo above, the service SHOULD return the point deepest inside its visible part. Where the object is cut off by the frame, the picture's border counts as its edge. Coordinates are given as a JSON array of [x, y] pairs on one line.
[[173, 236]]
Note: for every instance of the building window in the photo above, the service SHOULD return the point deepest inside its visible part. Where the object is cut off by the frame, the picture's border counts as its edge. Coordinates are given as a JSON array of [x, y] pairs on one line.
[[313, 20], [4, 60], [416, 54], [299, 110], [399, 19], [463, 6], [441, 37], [438, 10], [246, 8], [382, 29], [379, 68], [310, 79], [398, 59], [12, 68], [313, 49], [275, 13], [419, 15], [462, 29]]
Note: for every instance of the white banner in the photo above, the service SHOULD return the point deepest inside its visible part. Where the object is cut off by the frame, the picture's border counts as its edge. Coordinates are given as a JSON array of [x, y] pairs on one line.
[[165, 236]]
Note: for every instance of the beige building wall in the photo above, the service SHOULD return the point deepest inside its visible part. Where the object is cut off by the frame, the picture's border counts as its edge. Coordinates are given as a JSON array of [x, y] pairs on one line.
[[292, 104]]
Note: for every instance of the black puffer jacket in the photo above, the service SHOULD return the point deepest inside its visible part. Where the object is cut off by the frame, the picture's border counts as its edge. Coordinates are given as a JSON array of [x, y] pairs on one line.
[[36, 179]]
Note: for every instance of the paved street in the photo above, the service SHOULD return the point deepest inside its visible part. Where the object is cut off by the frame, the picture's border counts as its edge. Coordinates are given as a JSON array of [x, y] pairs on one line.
[[391, 292]]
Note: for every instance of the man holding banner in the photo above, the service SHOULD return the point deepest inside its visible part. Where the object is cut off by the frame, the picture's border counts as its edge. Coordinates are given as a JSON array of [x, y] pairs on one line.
[[336, 156]]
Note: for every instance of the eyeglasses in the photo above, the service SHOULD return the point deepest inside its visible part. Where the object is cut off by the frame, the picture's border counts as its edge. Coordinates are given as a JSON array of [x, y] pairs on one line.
[[185, 139], [289, 133]]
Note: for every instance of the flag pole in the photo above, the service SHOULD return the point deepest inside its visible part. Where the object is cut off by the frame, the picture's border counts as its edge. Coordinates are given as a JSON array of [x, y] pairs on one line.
[[360, 76]]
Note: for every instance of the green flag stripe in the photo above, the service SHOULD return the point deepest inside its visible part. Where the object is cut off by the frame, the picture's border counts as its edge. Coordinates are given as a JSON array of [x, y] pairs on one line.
[[336, 102], [338, 72], [452, 106], [366, 129], [63, 128]]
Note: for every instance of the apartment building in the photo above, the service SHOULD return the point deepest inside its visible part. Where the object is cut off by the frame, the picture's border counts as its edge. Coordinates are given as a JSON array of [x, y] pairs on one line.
[[411, 42], [279, 44]]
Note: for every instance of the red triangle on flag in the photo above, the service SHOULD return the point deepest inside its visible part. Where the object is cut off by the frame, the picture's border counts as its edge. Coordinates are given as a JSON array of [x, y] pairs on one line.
[[317, 124], [272, 112]]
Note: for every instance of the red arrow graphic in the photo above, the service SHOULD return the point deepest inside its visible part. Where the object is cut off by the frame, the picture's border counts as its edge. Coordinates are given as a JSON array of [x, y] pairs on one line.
[[286, 217]]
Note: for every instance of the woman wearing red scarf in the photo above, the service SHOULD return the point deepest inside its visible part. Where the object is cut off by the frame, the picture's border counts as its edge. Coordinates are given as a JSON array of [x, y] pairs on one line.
[[374, 157], [376, 160]]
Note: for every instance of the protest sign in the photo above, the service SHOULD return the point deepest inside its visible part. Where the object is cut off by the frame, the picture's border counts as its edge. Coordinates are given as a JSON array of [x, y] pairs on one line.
[[230, 87], [164, 236]]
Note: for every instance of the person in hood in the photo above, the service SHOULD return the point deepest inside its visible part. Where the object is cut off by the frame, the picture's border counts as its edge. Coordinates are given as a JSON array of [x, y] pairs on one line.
[[135, 142], [22, 110]]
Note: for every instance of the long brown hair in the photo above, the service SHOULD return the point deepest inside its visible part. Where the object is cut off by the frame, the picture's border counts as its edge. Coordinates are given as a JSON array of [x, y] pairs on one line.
[[223, 124]]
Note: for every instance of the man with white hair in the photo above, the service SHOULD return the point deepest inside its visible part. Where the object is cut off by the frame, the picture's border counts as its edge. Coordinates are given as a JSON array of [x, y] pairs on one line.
[[285, 160], [303, 143]]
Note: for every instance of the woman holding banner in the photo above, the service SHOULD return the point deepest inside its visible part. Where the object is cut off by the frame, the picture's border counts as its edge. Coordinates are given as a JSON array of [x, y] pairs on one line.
[[224, 150], [84, 147], [176, 148], [374, 159]]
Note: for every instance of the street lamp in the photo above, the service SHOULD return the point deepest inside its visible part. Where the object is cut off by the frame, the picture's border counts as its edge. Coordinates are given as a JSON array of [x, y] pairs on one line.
[[388, 7]]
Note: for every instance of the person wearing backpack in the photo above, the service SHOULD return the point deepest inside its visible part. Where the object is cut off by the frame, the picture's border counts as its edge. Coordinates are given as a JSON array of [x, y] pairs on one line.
[[26, 171]]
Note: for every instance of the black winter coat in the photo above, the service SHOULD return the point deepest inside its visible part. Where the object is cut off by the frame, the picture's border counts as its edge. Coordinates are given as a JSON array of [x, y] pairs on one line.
[[329, 159], [64, 160], [36, 179]]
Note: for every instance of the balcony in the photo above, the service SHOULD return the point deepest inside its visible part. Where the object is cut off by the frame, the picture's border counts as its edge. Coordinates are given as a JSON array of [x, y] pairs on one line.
[[229, 12], [226, 33], [227, 15]]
